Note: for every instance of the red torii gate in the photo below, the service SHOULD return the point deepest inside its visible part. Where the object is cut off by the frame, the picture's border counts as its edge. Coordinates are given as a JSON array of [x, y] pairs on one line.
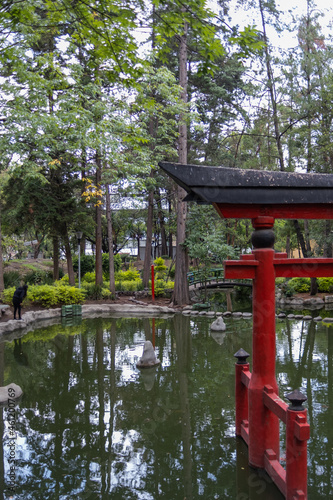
[[264, 196]]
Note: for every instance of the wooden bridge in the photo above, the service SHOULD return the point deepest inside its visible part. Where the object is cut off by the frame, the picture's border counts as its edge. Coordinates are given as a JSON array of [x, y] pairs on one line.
[[213, 278]]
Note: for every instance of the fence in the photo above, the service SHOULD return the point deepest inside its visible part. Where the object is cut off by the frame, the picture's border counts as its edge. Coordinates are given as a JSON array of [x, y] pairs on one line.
[[292, 480]]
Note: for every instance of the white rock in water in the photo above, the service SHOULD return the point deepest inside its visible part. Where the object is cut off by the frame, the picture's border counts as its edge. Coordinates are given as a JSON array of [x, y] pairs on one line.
[[148, 357], [11, 391], [218, 325]]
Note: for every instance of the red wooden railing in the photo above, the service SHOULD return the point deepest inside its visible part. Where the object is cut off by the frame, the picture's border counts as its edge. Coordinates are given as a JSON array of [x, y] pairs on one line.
[[291, 480]]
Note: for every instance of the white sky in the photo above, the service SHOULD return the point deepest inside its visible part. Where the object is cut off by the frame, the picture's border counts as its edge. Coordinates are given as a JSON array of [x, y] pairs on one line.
[[289, 9]]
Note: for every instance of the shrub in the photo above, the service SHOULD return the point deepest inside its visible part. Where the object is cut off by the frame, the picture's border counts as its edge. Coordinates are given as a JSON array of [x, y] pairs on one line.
[[7, 295], [90, 277], [325, 285], [44, 295], [161, 287], [298, 285], [92, 291], [87, 263], [11, 278], [105, 263], [48, 295], [280, 281], [35, 277], [132, 274], [70, 295], [128, 285], [160, 268]]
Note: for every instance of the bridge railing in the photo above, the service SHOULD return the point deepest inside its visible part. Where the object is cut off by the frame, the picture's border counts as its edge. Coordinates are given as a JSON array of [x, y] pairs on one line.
[[291, 480], [201, 277]]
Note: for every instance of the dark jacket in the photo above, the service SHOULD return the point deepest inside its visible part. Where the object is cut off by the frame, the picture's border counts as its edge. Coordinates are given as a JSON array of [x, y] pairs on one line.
[[19, 294]]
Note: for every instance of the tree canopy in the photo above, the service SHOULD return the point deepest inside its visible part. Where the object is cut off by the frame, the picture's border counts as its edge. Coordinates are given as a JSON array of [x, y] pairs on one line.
[[91, 95]]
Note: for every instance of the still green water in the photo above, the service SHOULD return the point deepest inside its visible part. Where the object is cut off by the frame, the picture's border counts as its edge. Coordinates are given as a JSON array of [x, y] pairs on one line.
[[92, 426]]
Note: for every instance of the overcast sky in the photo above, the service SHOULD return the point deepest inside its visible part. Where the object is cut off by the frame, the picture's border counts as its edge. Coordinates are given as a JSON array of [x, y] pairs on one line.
[[288, 9]]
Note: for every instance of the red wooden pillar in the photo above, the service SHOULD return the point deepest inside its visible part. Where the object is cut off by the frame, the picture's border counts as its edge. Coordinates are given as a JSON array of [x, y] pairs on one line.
[[297, 434], [263, 424]]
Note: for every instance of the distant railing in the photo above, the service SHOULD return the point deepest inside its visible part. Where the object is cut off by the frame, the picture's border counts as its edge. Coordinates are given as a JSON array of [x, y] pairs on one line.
[[206, 276]]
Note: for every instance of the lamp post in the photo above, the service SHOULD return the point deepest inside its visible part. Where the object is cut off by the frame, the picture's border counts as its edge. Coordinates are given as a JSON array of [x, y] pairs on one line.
[[79, 236]]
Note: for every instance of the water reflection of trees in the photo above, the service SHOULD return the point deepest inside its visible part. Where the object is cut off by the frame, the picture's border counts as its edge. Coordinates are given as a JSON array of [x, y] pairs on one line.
[[89, 427], [89, 430], [309, 366]]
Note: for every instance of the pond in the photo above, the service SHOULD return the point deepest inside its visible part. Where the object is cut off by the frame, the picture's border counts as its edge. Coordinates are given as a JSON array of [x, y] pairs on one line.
[[91, 425]]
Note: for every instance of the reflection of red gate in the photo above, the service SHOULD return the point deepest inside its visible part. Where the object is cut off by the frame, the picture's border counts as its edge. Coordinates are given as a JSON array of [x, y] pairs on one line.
[[263, 197]]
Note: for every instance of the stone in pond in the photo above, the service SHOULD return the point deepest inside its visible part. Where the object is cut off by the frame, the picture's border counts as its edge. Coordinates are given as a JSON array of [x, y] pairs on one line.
[[218, 325], [10, 392], [149, 358]]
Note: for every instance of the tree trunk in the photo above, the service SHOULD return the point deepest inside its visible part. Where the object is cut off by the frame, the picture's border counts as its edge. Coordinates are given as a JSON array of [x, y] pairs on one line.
[[288, 246], [150, 217], [327, 250], [68, 253], [98, 262], [164, 248], [271, 87], [181, 290], [55, 241], [305, 252], [2, 285], [170, 232], [37, 247], [110, 241]]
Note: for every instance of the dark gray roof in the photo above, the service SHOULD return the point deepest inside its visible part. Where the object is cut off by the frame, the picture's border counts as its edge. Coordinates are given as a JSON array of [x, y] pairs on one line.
[[231, 185]]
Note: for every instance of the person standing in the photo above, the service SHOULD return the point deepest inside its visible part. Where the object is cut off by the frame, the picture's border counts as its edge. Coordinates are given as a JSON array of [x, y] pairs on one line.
[[19, 294]]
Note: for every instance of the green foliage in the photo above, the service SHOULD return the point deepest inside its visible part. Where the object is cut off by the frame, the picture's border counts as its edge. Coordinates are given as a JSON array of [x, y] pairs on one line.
[[160, 268], [132, 274], [248, 40], [64, 279], [128, 286], [280, 281], [11, 278], [87, 263], [105, 263], [89, 277], [172, 272], [7, 295], [37, 277], [325, 285], [162, 287], [96, 292], [48, 296], [69, 295], [298, 285]]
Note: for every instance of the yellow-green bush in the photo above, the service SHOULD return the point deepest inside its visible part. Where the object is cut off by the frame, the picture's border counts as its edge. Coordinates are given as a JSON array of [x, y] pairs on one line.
[[48, 295], [128, 285], [160, 268], [325, 285], [161, 287], [90, 277], [132, 274], [7, 295], [96, 292]]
